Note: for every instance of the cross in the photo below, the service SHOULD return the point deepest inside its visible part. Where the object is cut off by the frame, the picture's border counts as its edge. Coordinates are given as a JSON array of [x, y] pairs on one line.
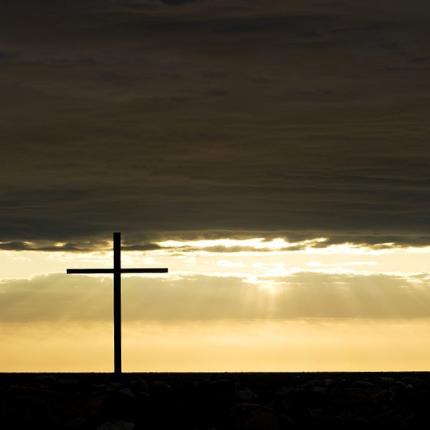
[[117, 270]]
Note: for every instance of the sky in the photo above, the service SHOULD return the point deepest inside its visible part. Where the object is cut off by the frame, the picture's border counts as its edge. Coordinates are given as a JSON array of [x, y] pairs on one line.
[[272, 154]]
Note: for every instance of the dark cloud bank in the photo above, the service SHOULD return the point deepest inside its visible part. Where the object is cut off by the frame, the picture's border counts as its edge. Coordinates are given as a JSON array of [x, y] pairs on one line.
[[214, 118]]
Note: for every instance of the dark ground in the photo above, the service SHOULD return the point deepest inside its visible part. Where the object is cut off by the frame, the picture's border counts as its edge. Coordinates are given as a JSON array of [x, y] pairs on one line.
[[248, 401]]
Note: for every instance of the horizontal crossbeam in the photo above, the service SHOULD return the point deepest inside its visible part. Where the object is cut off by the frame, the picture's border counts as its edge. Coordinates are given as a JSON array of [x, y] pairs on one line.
[[144, 270], [92, 271]]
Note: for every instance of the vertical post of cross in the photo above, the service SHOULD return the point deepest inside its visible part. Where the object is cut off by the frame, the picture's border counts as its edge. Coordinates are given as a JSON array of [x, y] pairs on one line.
[[117, 301]]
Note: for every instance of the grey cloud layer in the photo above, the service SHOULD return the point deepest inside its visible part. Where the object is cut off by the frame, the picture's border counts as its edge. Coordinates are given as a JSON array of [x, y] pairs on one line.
[[215, 118], [301, 296]]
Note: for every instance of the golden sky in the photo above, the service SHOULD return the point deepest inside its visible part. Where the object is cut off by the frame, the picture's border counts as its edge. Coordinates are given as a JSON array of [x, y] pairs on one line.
[[341, 307]]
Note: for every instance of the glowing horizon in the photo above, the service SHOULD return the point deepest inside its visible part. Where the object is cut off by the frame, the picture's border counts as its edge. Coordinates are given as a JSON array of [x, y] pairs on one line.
[[295, 305]]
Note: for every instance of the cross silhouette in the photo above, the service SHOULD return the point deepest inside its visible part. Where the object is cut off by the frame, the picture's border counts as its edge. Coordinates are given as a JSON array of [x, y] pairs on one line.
[[117, 271]]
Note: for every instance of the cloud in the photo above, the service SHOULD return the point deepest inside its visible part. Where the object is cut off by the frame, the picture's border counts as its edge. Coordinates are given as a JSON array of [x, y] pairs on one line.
[[266, 119], [82, 246], [188, 242], [176, 2], [198, 298]]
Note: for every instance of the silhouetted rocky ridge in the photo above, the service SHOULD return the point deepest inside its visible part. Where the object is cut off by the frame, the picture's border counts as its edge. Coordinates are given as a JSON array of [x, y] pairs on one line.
[[214, 401]]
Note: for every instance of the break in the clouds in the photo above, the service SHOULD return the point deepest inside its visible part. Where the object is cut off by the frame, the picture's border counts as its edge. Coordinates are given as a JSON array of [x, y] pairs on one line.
[[291, 119], [302, 296]]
